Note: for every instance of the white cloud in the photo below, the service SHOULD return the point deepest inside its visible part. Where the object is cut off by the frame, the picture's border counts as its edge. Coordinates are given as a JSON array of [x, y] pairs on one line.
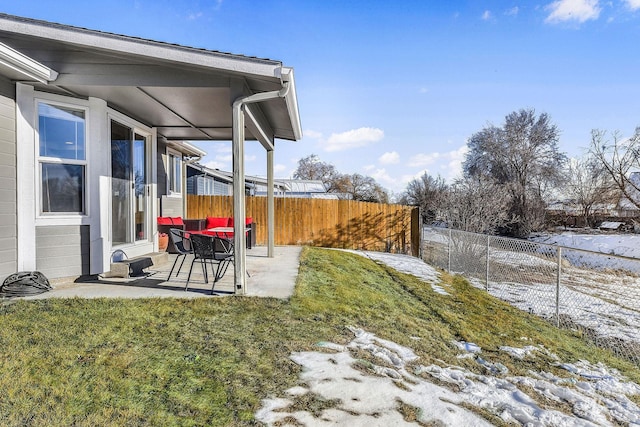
[[383, 177], [214, 164], [389, 158], [573, 10], [512, 12], [312, 134], [423, 90], [353, 138], [423, 160], [448, 165], [226, 158], [279, 168], [369, 167], [633, 4], [248, 158], [454, 168], [486, 15]]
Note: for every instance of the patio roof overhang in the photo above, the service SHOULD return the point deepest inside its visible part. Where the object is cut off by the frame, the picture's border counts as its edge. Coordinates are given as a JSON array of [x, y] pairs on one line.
[[187, 94]]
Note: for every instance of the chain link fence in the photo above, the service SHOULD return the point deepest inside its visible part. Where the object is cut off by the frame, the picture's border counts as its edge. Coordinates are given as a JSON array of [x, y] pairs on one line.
[[595, 293]]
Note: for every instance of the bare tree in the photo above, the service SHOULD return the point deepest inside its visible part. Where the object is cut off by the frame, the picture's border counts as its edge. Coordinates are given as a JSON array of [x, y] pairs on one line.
[[477, 205], [619, 157], [588, 184], [522, 157], [428, 193], [361, 188], [311, 167], [355, 186]]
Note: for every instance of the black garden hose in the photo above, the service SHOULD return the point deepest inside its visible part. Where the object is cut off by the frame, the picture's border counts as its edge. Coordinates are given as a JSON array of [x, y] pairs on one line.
[[25, 283]]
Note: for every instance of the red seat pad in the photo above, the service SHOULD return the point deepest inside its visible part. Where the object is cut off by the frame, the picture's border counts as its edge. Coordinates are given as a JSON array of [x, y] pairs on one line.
[[216, 221], [164, 220]]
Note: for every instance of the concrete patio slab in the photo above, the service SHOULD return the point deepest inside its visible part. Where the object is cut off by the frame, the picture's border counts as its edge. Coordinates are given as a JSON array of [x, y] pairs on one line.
[[269, 277]]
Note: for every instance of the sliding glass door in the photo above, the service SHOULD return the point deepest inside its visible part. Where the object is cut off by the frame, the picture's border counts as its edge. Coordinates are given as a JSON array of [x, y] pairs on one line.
[[129, 185]]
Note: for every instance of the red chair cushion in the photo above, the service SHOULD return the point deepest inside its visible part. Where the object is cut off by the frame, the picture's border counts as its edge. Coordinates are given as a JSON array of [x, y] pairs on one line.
[[214, 221], [177, 220], [164, 220]]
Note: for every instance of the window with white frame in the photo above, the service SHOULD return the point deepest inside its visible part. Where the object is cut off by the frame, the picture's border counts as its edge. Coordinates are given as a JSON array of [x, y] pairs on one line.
[[62, 159], [174, 173]]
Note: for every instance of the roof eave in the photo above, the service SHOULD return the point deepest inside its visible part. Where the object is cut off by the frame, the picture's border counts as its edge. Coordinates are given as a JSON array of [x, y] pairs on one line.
[[187, 149], [141, 47], [291, 100], [25, 66]]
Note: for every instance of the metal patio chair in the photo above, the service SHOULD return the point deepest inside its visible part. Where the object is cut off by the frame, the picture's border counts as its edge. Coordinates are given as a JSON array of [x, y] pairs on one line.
[[181, 246], [211, 250]]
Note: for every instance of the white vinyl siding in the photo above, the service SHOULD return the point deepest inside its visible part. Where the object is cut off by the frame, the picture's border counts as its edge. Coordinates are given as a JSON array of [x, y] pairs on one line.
[[8, 201]]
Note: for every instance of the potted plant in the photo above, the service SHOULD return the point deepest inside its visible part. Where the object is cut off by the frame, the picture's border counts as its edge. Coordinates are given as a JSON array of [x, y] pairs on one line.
[[163, 241]]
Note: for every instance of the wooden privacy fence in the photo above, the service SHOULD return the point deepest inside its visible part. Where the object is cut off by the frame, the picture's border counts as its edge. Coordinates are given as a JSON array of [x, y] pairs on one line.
[[329, 223]]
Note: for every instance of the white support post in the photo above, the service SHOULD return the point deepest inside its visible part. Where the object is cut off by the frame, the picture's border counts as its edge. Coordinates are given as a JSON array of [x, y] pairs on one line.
[[239, 211], [270, 207]]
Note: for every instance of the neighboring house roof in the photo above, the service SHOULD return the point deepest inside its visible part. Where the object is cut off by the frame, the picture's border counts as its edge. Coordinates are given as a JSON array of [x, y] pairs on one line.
[[305, 185], [184, 92], [187, 149], [250, 181], [611, 225]]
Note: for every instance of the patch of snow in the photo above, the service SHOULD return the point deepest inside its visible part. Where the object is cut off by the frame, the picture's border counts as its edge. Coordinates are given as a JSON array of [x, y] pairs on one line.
[[596, 394], [520, 353], [469, 347], [406, 264]]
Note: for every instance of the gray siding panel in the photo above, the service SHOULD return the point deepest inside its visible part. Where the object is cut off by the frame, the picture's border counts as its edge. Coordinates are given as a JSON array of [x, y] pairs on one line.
[[8, 173], [171, 206], [63, 251], [162, 172]]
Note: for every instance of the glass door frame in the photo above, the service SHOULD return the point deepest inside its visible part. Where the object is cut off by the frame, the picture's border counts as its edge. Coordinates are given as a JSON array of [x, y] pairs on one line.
[[135, 130]]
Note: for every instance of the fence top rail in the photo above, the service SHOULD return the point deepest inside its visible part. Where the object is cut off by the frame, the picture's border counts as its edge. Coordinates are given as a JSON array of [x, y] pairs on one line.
[[548, 245]]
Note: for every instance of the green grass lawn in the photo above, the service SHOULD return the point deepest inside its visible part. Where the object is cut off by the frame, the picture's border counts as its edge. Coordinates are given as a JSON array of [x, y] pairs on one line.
[[211, 361]]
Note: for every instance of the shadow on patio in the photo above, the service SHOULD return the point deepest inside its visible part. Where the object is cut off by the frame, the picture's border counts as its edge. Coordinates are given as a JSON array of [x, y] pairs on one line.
[[270, 277]]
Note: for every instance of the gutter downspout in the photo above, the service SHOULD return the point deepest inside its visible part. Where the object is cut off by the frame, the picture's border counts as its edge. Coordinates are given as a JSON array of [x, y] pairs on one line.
[[239, 207]]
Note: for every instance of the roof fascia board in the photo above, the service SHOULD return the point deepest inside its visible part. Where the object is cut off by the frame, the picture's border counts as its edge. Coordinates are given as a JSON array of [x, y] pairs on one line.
[[292, 102], [25, 65], [186, 148], [145, 48]]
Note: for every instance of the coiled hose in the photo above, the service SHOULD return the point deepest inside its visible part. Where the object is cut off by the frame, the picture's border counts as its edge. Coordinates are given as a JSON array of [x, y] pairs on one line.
[[25, 283]]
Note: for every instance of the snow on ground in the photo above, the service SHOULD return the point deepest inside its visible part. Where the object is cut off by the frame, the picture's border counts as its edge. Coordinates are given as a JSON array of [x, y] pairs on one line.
[[595, 394], [623, 245], [614, 244], [406, 264], [371, 396], [607, 319]]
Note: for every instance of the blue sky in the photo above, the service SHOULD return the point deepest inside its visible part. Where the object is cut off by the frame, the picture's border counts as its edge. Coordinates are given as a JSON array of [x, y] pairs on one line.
[[394, 89]]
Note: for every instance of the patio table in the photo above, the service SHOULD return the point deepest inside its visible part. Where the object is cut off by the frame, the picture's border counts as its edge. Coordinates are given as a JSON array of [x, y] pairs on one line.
[[223, 232]]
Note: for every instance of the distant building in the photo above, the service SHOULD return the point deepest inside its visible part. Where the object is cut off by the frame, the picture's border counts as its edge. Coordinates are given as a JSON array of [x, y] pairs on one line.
[[205, 181], [301, 188]]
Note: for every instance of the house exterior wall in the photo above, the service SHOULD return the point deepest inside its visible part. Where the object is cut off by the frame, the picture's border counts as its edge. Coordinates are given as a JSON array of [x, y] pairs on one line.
[[8, 200], [169, 205], [73, 244], [63, 251]]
